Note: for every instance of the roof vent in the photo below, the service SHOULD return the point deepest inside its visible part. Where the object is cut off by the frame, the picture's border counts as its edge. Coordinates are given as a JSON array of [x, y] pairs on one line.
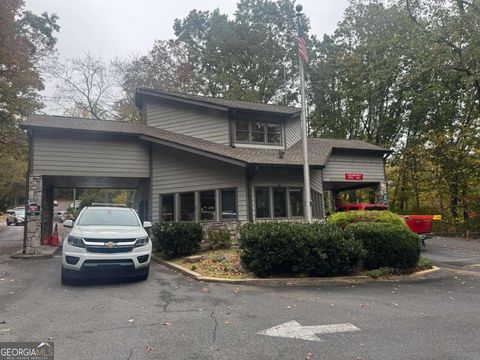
[[281, 153]]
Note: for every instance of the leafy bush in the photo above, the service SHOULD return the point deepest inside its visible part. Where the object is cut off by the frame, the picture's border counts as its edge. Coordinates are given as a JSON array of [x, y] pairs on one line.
[[343, 219], [178, 239], [218, 239], [281, 248], [387, 245], [471, 225]]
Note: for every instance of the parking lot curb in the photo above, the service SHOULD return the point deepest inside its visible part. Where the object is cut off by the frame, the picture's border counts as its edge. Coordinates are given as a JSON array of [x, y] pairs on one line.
[[46, 252], [292, 281]]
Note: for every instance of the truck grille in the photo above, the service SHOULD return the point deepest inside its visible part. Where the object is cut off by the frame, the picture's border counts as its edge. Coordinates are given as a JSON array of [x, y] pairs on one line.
[[107, 250], [109, 240]]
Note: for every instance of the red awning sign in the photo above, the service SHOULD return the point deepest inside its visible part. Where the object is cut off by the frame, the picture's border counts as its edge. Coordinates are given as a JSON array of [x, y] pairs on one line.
[[353, 176]]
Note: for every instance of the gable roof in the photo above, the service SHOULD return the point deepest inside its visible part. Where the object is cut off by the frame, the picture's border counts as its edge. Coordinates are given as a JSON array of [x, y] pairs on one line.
[[319, 149], [217, 103]]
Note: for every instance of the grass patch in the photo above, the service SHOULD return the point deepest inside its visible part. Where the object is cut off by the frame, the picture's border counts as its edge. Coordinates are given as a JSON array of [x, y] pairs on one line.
[[424, 263]]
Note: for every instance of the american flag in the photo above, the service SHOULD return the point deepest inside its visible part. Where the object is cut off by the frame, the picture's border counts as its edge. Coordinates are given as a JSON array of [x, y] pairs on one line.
[[302, 49]]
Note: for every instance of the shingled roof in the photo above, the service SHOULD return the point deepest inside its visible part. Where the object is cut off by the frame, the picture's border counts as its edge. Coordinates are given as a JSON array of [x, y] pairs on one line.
[[218, 103], [319, 149]]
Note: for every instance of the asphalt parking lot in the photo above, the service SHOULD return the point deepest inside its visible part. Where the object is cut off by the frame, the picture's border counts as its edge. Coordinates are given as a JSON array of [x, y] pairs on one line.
[[170, 316]]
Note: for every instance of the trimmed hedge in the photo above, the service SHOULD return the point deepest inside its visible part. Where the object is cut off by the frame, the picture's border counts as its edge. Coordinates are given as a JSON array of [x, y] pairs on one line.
[[343, 219], [387, 245], [218, 239], [178, 239], [281, 248]]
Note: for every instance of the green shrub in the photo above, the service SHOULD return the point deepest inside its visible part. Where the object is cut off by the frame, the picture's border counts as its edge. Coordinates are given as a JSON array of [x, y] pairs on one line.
[[343, 219], [281, 248], [387, 245], [218, 239], [178, 239]]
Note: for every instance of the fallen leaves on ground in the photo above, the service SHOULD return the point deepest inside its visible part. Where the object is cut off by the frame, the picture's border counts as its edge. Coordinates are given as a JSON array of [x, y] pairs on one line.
[[229, 267]]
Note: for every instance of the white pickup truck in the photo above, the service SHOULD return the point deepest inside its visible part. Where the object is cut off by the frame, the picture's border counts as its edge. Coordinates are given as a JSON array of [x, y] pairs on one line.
[[106, 241]]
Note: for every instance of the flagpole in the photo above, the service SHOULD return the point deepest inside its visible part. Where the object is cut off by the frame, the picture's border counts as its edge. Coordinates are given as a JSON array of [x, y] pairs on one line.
[[306, 167]]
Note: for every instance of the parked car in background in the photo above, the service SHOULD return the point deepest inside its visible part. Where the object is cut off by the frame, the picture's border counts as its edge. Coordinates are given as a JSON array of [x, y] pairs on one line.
[[61, 216], [16, 216]]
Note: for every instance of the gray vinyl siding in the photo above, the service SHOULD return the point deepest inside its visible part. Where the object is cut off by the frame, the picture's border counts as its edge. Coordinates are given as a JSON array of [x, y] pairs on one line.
[[205, 124], [316, 181], [293, 131], [372, 168], [175, 171], [82, 155]]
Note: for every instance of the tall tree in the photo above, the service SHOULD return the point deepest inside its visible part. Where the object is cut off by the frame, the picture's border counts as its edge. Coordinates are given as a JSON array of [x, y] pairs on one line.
[[25, 40], [251, 56], [87, 84], [164, 67]]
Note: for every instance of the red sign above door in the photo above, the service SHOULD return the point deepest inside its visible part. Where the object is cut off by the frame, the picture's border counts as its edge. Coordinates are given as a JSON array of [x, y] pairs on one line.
[[353, 176]]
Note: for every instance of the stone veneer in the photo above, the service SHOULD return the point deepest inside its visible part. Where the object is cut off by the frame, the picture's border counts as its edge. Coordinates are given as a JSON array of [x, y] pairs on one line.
[[233, 227], [34, 222]]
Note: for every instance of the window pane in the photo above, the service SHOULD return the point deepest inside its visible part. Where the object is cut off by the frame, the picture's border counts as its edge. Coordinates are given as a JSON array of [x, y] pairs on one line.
[[274, 132], [262, 202], [258, 126], [258, 132], [242, 125], [273, 138], [207, 205], [187, 206], [242, 131], [280, 202], [273, 128], [258, 137], [296, 202], [242, 136], [229, 204], [168, 208]]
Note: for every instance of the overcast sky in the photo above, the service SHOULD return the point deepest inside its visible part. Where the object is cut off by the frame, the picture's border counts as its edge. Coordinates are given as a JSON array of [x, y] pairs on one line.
[[110, 28]]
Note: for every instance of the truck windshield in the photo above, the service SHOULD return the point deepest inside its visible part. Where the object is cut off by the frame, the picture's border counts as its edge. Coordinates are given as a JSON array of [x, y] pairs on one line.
[[108, 217]]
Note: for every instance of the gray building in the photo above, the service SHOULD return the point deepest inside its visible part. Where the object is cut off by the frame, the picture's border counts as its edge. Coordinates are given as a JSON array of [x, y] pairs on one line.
[[215, 161]]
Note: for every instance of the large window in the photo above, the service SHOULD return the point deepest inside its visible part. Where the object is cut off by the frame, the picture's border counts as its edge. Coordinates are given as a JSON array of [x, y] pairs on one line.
[[207, 205], [262, 202], [229, 204], [187, 206], [167, 208], [296, 202], [279, 202], [258, 132]]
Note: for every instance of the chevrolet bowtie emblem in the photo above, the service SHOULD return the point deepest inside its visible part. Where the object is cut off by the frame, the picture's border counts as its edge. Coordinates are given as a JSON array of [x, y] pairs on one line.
[[110, 244]]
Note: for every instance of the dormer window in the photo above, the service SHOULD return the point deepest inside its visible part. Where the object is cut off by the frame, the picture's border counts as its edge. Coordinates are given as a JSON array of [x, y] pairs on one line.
[[258, 132]]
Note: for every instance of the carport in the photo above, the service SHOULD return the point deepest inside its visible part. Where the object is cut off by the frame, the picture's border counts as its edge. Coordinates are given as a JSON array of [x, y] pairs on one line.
[[348, 170], [84, 159]]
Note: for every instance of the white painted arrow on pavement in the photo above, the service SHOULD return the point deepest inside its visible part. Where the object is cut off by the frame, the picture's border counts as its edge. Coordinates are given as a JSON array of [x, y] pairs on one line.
[[292, 329]]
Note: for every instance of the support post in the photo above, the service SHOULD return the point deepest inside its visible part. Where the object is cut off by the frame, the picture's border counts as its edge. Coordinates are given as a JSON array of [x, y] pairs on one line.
[[33, 223]]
